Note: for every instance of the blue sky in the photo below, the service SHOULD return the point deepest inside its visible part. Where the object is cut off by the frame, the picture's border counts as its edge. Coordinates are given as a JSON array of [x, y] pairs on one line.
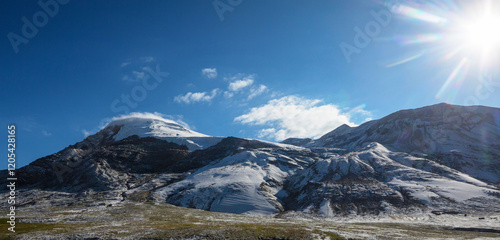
[[256, 69]]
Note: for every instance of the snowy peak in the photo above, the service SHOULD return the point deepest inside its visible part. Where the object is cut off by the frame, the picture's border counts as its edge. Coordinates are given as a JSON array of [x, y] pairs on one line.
[[444, 113], [150, 127], [437, 128], [153, 125], [461, 137], [343, 129]]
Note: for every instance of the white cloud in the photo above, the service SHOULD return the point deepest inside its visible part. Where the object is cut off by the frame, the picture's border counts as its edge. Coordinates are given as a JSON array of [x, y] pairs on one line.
[[294, 116], [266, 133], [256, 91], [124, 64], [86, 133], [238, 76], [191, 97], [240, 84], [243, 84], [228, 94], [209, 72], [156, 115], [360, 110], [45, 133], [147, 59], [105, 121]]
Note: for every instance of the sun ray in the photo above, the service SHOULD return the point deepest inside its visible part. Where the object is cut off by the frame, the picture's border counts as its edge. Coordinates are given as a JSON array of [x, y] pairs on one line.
[[418, 14], [465, 31], [457, 75], [453, 53], [419, 38], [405, 60]]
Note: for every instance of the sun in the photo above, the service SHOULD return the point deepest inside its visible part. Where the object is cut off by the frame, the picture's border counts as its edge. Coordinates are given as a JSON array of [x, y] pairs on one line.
[[477, 30], [462, 34], [482, 33], [474, 33]]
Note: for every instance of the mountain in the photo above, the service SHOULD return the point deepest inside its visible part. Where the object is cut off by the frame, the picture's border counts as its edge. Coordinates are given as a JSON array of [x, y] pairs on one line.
[[436, 158], [249, 178], [157, 127], [462, 138]]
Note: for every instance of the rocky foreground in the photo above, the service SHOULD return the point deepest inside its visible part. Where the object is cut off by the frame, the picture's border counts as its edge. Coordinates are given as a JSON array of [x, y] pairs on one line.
[[101, 219]]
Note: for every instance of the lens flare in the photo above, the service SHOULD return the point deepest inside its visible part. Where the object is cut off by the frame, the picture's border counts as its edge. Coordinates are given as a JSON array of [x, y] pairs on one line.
[[405, 60], [463, 31], [455, 77], [418, 14]]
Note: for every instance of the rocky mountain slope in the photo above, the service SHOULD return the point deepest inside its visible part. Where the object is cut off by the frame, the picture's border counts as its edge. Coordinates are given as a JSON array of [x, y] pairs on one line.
[[462, 138], [441, 157]]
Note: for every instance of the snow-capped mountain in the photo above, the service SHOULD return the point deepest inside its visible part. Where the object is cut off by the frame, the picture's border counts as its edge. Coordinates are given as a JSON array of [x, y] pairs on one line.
[[440, 157], [161, 128], [464, 138], [374, 179], [249, 178], [150, 127]]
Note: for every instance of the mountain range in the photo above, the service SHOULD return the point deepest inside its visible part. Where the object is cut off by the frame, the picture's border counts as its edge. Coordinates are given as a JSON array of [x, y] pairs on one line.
[[436, 158]]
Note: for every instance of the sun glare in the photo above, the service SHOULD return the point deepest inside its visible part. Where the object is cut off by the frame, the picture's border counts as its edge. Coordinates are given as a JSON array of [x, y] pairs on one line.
[[478, 30], [482, 34], [463, 33]]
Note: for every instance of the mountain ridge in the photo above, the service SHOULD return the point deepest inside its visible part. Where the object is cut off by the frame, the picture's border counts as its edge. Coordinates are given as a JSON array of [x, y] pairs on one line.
[[435, 158]]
